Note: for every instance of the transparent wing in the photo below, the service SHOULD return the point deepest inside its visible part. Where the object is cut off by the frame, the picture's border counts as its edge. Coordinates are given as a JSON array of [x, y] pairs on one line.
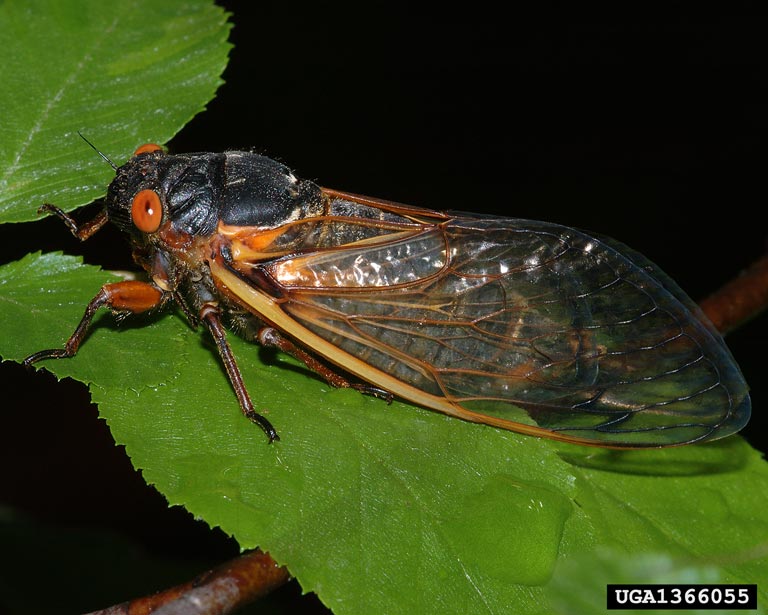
[[520, 323]]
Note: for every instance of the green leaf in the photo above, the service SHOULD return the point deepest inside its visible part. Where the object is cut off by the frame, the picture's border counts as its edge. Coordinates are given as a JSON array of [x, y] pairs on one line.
[[122, 73], [381, 508]]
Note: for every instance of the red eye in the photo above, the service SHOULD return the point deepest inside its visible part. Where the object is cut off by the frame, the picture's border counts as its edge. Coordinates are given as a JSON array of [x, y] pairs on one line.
[[147, 148], [147, 211]]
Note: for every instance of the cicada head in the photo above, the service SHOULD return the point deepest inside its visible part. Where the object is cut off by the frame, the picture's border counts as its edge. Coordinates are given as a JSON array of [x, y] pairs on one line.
[[153, 191], [191, 194], [172, 205]]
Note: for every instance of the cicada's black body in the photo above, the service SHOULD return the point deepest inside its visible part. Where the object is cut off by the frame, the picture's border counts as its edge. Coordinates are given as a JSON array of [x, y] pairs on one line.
[[524, 325]]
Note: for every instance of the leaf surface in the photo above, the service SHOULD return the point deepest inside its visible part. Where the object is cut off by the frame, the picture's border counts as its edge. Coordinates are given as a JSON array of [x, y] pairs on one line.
[[122, 73]]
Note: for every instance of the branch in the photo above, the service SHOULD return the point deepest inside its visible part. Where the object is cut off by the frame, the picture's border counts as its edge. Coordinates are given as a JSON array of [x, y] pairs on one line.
[[739, 300], [219, 591]]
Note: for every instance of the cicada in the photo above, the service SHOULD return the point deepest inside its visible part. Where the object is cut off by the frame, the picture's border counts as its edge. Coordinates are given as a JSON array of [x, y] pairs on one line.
[[528, 326]]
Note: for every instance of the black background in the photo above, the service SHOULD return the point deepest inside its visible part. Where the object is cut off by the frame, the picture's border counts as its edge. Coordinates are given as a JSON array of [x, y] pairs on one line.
[[646, 130]]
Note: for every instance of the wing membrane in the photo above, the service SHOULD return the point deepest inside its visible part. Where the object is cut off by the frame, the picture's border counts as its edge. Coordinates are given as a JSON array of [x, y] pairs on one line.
[[525, 325]]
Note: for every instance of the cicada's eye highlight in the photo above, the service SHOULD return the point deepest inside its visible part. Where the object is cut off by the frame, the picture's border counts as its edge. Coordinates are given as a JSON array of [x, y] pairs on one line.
[[147, 148], [147, 211]]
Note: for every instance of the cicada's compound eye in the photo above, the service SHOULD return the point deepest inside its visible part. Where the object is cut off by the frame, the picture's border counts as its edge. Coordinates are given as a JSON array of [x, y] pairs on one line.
[[147, 211], [147, 148]]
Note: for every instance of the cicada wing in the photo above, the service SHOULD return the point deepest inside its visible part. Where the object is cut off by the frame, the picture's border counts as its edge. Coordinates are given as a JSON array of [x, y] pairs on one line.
[[525, 325]]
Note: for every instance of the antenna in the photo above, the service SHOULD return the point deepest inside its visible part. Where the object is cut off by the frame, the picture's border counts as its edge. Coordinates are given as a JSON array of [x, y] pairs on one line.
[[95, 149]]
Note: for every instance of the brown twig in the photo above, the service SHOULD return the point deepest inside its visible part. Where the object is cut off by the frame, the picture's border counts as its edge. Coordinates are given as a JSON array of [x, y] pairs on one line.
[[740, 299], [219, 591]]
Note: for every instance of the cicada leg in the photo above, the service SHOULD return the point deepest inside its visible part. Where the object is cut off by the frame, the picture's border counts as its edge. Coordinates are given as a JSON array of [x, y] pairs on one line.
[[129, 296], [271, 338], [210, 315], [82, 231]]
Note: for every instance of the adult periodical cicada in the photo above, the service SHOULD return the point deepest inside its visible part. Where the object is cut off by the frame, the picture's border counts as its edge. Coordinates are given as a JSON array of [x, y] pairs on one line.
[[523, 325]]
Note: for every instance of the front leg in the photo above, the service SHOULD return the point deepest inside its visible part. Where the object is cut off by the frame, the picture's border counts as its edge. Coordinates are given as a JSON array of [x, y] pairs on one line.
[[83, 230], [129, 296]]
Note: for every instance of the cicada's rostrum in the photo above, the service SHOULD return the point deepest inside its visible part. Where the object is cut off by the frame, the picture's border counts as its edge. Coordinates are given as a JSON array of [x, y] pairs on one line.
[[522, 325]]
